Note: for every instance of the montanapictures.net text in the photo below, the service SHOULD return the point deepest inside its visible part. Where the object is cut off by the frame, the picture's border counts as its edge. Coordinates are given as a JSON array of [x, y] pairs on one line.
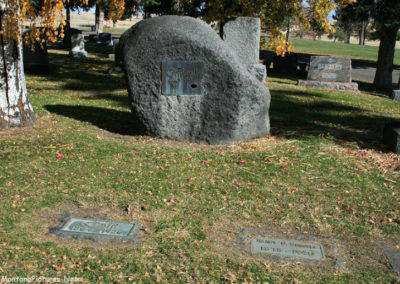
[[41, 279]]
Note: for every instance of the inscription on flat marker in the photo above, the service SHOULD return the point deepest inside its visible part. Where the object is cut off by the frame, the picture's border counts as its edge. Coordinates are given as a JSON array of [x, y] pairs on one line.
[[181, 78], [98, 227], [288, 248]]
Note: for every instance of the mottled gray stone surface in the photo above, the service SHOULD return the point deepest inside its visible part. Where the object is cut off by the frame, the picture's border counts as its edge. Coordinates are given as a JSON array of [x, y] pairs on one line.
[[391, 136], [234, 106], [330, 69], [78, 46], [396, 95], [242, 35], [329, 85], [259, 71]]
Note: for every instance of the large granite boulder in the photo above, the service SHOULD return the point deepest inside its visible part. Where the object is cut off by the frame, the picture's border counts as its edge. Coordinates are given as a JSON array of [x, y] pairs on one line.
[[185, 83]]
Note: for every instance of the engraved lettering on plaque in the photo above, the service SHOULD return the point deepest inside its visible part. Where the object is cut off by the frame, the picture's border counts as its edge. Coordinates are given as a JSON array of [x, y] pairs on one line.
[[182, 78], [98, 227], [289, 248]]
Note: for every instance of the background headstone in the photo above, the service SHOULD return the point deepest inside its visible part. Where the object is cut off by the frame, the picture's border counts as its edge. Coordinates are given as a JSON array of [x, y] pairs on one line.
[[329, 72], [36, 59], [330, 69], [105, 39], [242, 35], [234, 105], [391, 136], [78, 45]]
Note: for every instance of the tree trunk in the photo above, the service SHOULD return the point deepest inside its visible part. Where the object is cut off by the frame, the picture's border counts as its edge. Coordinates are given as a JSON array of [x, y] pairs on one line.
[[99, 19], [15, 108], [288, 30], [348, 38], [67, 31], [384, 68], [361, 33]]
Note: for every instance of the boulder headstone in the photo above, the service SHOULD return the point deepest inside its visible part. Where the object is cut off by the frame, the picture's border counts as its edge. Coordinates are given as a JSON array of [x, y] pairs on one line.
[[105, 39], [78, 46], [329, 72], [242, 35], [185, 83], [396, 95], [391, 136]]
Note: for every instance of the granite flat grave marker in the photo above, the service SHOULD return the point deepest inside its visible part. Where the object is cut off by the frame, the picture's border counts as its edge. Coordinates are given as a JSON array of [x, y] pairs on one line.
[[329, 72], [393, 255], [289, 248], [97, 230]]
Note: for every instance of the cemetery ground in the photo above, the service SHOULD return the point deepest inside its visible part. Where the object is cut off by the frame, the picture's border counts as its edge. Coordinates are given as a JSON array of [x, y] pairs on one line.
[[323, 172]]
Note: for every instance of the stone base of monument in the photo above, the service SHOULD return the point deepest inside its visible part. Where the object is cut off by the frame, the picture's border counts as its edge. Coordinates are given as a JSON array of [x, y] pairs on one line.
[[328, 85], [396, 95], [78, 54], [391, 136]]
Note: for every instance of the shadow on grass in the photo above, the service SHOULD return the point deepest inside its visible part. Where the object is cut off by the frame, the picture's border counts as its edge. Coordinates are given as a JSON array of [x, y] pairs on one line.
[[294, 118], [84, 74], [115, 121]]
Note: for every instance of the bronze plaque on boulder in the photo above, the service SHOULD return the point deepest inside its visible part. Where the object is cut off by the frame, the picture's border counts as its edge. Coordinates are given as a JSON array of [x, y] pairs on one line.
[[182, 78]]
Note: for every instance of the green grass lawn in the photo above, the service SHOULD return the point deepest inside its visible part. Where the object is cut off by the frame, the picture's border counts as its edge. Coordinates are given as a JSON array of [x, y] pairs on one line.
[[353, 51], [322, 172]]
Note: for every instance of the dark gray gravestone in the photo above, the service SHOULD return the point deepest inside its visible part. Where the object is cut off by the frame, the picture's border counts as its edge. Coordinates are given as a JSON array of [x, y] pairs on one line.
[[287, 248], [36, 59], [105, 39], [215, 99], [329, 72], [393, 255], [391, 136], [330, 69], [97, 230]]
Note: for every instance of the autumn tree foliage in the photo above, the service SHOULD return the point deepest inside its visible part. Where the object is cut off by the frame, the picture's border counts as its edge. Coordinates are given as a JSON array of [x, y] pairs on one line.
[[273, 13], [45, 26]]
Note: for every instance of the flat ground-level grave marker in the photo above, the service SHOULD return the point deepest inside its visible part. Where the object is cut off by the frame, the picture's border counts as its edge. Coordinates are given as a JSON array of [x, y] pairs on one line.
[[97, 230], [288, 248], [393, 255]]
